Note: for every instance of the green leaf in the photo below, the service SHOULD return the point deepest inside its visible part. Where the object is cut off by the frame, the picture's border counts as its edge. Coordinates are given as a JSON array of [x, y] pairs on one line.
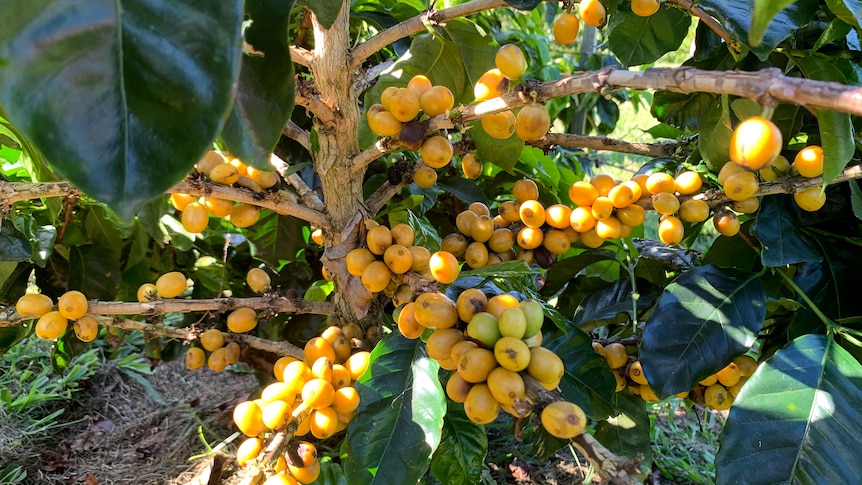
[[464, 189], [850, 11], [523, 4], [65, 349], [795, 420], [764, 11], [95, 271], [274, 239], [502, 153], [266, 91], [477, 50], [783, 242], [836, 30], [545, 445], [564, 270], [605, 306], [701, 322], [459, 458], [627, 433], [836, 129], [507, 269], [737, 15], [680, 110], [637, 40], [100, 230], [400, 416], [326, 11], [14, 245], [715, 131], [130, 94], [9, 336], [856, 199], [330, 473], [587, 382]]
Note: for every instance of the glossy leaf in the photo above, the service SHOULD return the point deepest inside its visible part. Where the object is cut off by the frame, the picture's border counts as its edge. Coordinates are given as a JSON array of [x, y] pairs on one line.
[[506, 269], [330, 473], [266, 91], [588, 382], [95, 271], [9, 336], [715, 132], [783, 242], [326, 11], [273, 238], [627, 432], [680, 110], [459, 458], [564, 270], [523, 4], [836, 129], [14, 245], [637, 40], [502, 153], [850, 11], [605, 306], [764, 11], [127, 101], [736, 16], [400, 417], [464, 189], [795, 420], [477, 50], [856, 198], [701, 322], [545, 445]]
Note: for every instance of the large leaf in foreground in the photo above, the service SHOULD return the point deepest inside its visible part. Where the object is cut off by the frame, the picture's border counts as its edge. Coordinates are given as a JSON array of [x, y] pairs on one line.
[[797, 419], [588, 382], [266, 92], [783, 241], [400, 416], [639, 40], [701, 322], [122, 97], [628, 432], [458, 460]]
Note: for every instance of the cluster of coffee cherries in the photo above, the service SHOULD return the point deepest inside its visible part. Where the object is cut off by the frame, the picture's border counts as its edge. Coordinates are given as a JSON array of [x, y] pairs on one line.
[[51, 323], [755, 148], [566, 24], [219, 170], [398, 255], [316, 392], [489, 344], [716, 391], [240, 320]]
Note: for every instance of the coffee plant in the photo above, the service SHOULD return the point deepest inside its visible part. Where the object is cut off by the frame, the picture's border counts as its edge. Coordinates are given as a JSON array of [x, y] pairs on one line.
[[400, 214]]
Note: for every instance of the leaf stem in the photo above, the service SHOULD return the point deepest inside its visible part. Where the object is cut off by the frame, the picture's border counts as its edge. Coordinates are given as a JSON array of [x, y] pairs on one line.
[[830, 325], [630, 269]]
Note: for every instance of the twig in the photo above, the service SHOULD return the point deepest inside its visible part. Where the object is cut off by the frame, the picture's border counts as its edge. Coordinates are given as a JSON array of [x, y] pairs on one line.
[[300, 55], [315, 106], [417, 24], [603, 143], [294, 132], [278, 202], [308, 196], [11, 192], [709, 21], [365, 157], [369, 77]]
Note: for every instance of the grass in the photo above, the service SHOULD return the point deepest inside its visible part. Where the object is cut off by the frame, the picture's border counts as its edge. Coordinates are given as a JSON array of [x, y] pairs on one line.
[[685, 442]]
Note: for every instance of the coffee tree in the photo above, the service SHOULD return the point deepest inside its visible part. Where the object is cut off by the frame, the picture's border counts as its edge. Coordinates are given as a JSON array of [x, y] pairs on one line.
[[413, 181]]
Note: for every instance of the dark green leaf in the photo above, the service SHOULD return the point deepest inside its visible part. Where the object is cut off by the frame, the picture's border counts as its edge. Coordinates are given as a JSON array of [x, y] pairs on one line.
[[663, 130], [326, 11], [627, 433], [856, 199], [477, 51], [464, 189], [502, 153], [330, 473], [400, 416], [783, 242], [95, 271], [715, 131], [588, 382], [459, 458], [523, 4], [275, 239], [266, 91], [545, 445], [836, 129], [100, 230], [14, 246], [680, 110], [732, 252], [795, 420], [564, 270], [850, 11], [764, 11], [44, 244], [10, 336], [701, 322], [605, 306], [508, 269], [637, 40], [836, 30], [736, 16], [128, 101], [66, 348]]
